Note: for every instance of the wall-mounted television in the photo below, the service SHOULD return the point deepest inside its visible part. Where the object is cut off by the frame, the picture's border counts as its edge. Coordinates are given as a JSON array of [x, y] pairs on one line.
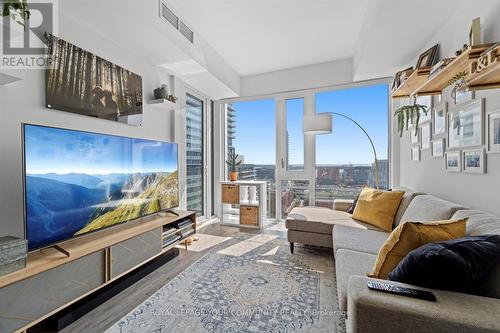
[[79, 182]]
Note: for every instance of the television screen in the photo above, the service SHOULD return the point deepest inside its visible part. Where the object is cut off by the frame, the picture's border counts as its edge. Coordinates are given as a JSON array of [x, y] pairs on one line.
[[78, 182]]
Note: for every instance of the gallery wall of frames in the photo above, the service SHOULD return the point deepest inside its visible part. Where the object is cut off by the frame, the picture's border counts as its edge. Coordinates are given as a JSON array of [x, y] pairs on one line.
[[458, 131]]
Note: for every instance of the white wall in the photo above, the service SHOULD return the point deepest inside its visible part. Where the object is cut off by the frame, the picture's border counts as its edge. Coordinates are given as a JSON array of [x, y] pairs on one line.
[[306, 77], [476, 191], [23, 102], [428, 175]]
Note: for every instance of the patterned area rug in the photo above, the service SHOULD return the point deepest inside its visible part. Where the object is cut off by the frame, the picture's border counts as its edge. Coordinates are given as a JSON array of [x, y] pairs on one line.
[[249, 283]]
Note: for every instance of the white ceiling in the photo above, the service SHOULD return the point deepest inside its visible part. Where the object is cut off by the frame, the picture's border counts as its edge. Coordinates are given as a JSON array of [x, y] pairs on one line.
[[238, 38], [257, 36]]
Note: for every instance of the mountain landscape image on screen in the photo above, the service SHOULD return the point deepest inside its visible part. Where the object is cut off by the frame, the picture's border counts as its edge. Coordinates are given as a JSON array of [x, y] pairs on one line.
[[60, 205]]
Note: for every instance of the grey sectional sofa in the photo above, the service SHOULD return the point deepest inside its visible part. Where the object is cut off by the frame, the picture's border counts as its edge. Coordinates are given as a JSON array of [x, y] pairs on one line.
[[355, 246]]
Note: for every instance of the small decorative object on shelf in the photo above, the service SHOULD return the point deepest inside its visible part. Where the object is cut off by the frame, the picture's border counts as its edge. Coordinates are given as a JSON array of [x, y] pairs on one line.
[[439, 67], [12, 254], [233, 162], [475, 32], [400, 77], [172, 98], [427, 59], [409, 113], [161, 93]]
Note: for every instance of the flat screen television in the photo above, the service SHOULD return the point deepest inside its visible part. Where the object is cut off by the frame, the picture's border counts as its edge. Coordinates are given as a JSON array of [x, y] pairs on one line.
[[79, 182]]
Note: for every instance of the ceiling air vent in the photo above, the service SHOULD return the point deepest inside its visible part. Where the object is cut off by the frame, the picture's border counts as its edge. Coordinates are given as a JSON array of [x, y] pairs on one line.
[[185, 31], [169, 16], [173, 19]]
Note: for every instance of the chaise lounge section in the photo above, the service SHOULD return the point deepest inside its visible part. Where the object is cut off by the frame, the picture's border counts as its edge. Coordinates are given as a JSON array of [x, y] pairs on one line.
[[356, 244]]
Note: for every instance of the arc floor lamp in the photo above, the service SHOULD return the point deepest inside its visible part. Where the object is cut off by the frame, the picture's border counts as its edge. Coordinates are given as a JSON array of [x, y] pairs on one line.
[[322, 123]]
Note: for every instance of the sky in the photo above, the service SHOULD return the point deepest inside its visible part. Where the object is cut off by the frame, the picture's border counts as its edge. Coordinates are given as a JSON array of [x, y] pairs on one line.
[[256, 123], [52, 150]]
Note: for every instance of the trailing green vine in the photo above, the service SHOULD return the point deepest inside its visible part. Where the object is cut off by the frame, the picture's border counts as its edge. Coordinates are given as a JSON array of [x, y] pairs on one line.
[[408, 113], [17, 9]]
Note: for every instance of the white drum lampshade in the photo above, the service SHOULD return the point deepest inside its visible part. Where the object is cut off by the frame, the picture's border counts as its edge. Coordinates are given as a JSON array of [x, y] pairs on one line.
[[318, 123]]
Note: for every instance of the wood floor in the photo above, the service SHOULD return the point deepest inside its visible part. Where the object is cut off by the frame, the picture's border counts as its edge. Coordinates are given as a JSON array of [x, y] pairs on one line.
[[114, 309]]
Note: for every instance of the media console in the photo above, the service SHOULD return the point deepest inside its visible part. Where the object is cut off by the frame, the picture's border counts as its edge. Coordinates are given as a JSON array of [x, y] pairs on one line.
[[52, 281]]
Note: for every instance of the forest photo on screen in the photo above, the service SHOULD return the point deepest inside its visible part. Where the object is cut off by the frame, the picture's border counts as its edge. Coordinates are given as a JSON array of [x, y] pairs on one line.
[[80, 82]]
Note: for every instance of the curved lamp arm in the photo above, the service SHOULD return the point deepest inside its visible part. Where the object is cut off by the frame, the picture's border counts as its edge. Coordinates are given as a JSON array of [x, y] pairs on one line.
[[371, 142]]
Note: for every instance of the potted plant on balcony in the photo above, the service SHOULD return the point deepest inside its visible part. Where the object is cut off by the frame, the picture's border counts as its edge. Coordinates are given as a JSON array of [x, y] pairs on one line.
[[233, 163]]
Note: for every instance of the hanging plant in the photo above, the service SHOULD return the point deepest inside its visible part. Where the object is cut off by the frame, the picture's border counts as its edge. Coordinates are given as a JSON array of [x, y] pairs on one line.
[[408, 113], [17, 9], [458, 81]]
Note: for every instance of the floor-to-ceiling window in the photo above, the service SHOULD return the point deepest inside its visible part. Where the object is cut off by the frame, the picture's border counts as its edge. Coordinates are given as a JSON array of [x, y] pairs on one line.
[[305, 169], [195, 154], [344, 158], [251, 133]]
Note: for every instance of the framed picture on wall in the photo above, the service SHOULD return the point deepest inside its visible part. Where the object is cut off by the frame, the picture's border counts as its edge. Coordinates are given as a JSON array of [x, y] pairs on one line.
[[439, 120], [463, 96], [437, 148], [474, 160], [427, 102], [465, 125], [494, 132], [415, 153], [453, 161], [425, 135], [414, 136]]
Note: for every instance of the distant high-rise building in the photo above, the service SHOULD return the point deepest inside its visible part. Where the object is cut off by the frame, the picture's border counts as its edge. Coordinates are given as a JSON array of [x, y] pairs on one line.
[[231, 127], [194, 154], [383, 172], [327, 175]]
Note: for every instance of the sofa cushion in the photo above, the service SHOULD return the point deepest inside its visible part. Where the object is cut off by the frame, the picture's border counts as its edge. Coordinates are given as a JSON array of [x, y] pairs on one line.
[[409, 236], [461, 264], [429, 208], [405, 202], [356, 239], [321, 220], [377, 207], [480, 223], [309, 238], [347, 264]]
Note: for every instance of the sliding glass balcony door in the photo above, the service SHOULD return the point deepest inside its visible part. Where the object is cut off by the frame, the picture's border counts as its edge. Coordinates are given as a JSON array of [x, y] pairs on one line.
[[295, 176]]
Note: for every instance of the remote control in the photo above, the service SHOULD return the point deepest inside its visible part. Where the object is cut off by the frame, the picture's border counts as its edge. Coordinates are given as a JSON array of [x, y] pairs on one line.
[[410, 292]]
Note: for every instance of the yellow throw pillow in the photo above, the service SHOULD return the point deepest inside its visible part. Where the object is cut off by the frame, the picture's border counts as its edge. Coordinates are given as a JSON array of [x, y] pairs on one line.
[[409, 236], [378, 207]]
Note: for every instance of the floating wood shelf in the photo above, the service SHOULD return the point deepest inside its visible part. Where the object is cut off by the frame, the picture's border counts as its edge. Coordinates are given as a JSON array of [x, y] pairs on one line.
[[414, 81], [163, 104], [439, 82], [419, 83], [485, 71]]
